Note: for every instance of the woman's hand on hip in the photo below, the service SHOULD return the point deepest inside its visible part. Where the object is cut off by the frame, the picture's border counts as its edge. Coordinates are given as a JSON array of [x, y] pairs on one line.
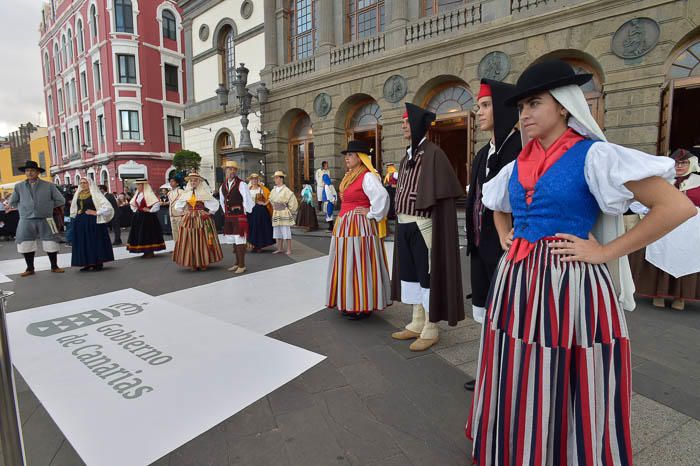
[[507, 242], [91, 212], [361, 210], [575, 249]]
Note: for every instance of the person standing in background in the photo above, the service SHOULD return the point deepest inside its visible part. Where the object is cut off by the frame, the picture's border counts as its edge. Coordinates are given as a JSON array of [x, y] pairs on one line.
[[320, 185], [175, 215], [114, 223]]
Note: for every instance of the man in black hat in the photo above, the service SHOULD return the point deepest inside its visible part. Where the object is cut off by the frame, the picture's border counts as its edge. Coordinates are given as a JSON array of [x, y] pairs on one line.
[[35, 199], [427, 272]]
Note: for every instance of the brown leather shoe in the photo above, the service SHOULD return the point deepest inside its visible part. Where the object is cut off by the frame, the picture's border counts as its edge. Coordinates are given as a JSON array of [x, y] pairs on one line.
[[57, 270], [405, 335], [27, 273], [423, 344]]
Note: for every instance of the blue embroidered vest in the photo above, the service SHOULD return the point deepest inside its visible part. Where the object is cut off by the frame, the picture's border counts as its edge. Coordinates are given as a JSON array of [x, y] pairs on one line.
[[561, 202]]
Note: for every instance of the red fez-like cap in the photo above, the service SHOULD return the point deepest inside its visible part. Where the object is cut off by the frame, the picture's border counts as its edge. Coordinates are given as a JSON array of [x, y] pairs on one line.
[[484, 91], [405, 115]]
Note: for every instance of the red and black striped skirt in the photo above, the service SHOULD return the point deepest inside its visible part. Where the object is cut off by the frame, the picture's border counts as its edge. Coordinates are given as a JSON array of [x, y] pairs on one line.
[[554, 376]]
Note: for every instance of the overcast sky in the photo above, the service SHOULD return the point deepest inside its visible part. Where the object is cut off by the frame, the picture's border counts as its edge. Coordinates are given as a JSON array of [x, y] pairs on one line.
[[21, 84]]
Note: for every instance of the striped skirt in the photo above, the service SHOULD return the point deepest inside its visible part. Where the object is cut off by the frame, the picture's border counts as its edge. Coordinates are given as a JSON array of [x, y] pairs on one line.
[[554, 376], [198, 244], [358, 275]]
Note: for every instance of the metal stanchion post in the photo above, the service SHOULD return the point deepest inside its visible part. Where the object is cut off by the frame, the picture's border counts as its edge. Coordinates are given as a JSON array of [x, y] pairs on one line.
[[10, 427]]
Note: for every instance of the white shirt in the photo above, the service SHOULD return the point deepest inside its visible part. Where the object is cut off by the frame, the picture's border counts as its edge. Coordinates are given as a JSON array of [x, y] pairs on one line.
[[139, 196], [248, 202], [378, 196]]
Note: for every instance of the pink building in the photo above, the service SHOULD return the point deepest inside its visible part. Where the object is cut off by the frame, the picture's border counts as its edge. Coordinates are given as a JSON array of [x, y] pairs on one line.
[[114, 89]]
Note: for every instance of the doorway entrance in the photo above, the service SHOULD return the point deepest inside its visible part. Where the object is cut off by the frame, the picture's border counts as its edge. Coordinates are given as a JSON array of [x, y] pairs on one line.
[[365, 125], [301, 152]]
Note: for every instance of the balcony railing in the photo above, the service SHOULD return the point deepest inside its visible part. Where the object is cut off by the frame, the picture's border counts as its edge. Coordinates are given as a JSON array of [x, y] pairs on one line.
[[293, 70], [517, 6], [444, 23], [358, 49]]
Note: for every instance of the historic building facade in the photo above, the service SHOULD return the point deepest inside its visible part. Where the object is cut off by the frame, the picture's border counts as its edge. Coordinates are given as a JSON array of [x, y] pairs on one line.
[[114, 89], [343, 69], [220, 35], [28, 142]]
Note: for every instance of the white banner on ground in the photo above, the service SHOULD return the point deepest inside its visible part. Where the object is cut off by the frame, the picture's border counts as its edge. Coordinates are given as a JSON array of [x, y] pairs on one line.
[[128, 377]]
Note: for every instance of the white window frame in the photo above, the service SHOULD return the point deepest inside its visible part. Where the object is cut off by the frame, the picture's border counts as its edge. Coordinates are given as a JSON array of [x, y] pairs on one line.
[[120, 138]]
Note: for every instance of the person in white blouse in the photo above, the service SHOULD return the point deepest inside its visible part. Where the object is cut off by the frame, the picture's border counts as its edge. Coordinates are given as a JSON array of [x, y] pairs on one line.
[[236, 202], [555, 330], [198, 245], [146, 234], [358, 274], [90, 212], [320, 185]]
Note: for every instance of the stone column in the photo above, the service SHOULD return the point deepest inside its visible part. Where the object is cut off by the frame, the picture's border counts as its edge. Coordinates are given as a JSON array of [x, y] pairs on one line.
[[270, 34], [325, 28], [282, 36], [398, 18], [189, 70]]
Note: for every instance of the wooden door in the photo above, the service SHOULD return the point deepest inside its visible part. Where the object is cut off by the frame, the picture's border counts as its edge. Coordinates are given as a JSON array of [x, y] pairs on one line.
[[666, 114]]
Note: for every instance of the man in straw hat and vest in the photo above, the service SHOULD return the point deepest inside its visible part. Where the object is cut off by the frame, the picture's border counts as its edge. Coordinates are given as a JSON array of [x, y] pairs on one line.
[[426, 269], [35, 199], [236, 202]]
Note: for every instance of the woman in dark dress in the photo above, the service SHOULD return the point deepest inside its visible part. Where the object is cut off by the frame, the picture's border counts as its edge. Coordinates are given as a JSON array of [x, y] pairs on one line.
[[146, 235], [260, 219], [90, 213]]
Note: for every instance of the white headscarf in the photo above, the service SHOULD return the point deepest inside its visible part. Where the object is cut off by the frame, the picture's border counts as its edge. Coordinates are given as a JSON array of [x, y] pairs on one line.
[[608, 227], [148, 195], [100, 201], [202, 192]]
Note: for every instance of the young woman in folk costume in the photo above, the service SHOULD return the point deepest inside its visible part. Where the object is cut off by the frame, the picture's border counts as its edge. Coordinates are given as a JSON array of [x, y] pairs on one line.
[[91, 212], [284, 207], [554, 375], [198, 243], [358, 274], [146, 235], [306, 215], [260, 218], [672, 270], [330, 198]]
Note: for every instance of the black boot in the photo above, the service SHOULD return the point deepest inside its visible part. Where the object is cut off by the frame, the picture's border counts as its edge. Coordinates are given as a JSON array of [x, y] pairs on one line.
[[29, 259], [53, 258]]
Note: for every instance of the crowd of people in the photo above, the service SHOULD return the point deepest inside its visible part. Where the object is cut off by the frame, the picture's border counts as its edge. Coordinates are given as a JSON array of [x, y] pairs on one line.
[[550, 275]]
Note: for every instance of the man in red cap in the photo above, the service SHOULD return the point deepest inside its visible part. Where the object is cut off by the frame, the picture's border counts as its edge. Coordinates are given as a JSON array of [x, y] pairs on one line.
[[427, 271]]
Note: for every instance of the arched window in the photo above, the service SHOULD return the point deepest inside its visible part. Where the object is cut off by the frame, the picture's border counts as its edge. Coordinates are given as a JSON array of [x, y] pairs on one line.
[[79, 36], [69, 49], [227, 50], [169, 25], [593, 89], [366, 125], [302, 28], [104, 178], [56, 58], [368, 115], [123, 16], [64, 50], [47, 67], [687, 64], [451, 99], [93, 21]]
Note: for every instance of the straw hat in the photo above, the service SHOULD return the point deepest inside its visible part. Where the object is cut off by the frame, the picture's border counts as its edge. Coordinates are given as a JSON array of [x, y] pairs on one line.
[[193, 175], [141, 181], [253, 175], [230, 164], [280, 173]]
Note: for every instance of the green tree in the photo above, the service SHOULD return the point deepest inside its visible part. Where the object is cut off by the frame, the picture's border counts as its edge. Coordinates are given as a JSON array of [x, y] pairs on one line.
[[187, 160]]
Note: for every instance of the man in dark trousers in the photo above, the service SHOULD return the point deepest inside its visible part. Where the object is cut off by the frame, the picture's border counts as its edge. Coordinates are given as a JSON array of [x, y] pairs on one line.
[[114, 224], [427, 272], [483, 243]]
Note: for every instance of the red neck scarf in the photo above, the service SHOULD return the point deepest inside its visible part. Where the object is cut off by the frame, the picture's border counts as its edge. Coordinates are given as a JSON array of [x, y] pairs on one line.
[[533, 162]]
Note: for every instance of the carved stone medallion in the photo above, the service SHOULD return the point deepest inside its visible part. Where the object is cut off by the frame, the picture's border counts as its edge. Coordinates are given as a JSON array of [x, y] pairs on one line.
[[635, 38], [395, 88], [203, 32], [246, 9], [322, 104], [495, 65]]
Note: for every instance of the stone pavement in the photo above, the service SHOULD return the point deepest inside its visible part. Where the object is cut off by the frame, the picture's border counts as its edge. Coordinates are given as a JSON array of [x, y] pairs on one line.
[[373, 402]]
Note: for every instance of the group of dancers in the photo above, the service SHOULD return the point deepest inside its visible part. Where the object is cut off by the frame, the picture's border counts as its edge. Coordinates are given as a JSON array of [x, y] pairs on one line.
[[549, 271]]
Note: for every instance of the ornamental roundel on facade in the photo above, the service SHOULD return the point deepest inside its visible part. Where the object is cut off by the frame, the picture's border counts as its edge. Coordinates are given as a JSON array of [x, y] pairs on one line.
[[247, 9], [495, 65], [395, 88], [322, 104], [203, 32], [635, 38]]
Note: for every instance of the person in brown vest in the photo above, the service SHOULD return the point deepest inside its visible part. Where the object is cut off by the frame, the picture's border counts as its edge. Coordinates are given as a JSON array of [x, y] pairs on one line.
[[236, 201]]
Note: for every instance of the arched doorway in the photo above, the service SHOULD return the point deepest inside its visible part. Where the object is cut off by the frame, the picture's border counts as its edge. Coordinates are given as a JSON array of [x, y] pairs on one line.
[[301, 151], [223, 146], [104, 179], [680, 98], [453, 129], [365, 124]]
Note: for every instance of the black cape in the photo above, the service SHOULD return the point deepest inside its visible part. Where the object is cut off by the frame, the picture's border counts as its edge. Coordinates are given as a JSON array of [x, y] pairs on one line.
[[508, 145], [439, 189]]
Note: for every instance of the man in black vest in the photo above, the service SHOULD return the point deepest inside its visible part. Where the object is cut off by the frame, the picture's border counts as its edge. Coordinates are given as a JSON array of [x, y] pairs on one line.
[[236, 202]]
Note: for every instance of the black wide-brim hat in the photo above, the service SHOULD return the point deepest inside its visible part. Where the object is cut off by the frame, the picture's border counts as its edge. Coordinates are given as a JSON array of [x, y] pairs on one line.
[[359, 147], [545, 76], [31, 164]]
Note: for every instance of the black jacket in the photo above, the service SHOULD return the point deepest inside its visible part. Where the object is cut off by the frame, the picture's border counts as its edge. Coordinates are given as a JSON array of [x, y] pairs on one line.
[[508, 145], [113, 201]]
